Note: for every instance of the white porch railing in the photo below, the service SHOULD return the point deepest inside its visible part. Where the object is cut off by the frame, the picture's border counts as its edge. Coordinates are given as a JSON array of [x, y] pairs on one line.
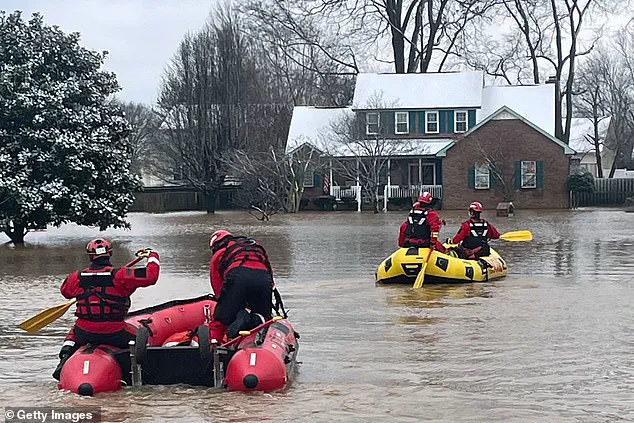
[[408, 191], [353, 192]]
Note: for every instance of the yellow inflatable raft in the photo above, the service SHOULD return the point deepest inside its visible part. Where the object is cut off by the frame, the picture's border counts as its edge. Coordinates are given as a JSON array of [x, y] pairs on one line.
[[405, 263]]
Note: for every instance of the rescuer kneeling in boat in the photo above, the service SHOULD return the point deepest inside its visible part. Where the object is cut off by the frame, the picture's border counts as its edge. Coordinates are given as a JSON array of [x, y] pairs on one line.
[[240, 276], [474, 234], [103, 299], [422, 226]]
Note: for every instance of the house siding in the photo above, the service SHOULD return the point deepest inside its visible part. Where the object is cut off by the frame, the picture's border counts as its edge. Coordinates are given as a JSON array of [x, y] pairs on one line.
[[417, 125], [514, 141]]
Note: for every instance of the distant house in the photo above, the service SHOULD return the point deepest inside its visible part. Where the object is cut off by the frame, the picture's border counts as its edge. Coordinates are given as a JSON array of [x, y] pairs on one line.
[[439, 127], [581, 133]]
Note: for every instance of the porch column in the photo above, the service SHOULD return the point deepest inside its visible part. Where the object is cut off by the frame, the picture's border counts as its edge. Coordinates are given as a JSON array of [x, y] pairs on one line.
[[331, 181], [420, 175], [386, 192], [358, 189]]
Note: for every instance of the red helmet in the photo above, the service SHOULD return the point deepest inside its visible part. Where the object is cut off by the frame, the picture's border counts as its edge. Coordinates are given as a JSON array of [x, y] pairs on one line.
[[217, 236], [476, 206], [99, 248], [425, 197]]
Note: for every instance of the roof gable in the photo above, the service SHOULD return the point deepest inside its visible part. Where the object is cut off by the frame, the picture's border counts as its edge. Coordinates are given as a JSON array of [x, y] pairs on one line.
[[418, 90], [505, 112]]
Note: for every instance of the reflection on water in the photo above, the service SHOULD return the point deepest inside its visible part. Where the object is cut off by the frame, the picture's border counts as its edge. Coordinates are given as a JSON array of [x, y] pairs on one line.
[[551, 342]]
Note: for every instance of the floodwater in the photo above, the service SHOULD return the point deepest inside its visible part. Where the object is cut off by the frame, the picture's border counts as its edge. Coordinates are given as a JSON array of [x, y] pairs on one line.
[[553, 342]]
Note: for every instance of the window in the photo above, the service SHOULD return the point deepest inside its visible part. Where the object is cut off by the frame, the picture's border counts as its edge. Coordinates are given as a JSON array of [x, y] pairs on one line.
[[401, 120], [482, 176], [529, 174], [460, 121], [431, 122], [309, 179], [372, 123]]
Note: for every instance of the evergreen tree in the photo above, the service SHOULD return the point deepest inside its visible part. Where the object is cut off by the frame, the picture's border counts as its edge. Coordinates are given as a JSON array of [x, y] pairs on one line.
[[64, 152]]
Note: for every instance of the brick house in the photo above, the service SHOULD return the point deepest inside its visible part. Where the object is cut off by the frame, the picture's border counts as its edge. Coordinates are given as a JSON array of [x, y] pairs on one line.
[[422, 124], [506, 158]]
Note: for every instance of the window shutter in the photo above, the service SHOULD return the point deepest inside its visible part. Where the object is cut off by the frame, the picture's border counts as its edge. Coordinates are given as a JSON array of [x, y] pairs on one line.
[[540, 174], [442, 122], [518, 174], [412, 122], [471, 118], [387, 123], [421, 123], [316, 180], [471, 177], [492, 179], [450, 118]]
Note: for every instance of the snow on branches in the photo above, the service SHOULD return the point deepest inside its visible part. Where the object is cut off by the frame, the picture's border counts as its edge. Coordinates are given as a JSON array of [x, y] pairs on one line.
[[64, 152]]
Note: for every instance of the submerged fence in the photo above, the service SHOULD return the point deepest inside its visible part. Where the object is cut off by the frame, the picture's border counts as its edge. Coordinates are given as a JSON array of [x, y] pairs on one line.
[[607, 192]]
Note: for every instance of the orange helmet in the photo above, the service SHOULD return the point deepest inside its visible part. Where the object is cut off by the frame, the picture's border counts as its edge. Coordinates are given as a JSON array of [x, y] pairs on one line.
[[425, 198], [476, 206], [217, 236], [99, 248]]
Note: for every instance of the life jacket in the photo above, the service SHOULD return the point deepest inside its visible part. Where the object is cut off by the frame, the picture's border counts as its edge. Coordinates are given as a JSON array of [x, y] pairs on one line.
[[98, 302], [417, 225], [242, 249], [247, 249], [478, 235]]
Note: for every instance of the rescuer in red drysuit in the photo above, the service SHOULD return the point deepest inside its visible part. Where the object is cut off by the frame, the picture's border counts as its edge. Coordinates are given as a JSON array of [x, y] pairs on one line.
[[475, 234], [422, 226]]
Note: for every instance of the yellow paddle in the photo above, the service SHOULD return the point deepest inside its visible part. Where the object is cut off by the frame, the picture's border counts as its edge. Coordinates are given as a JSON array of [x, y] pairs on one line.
[[420, 278], [517, 236], [49, 315]]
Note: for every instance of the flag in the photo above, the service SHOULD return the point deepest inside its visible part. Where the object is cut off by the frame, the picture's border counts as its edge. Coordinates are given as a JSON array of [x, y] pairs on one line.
[[326, 186]]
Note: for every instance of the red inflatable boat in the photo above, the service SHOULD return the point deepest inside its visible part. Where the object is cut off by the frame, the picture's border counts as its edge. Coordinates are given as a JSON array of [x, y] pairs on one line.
[[262, 358]]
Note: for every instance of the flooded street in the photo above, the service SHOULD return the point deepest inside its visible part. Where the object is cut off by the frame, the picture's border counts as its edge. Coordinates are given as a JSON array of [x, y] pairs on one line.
[[552, 342]]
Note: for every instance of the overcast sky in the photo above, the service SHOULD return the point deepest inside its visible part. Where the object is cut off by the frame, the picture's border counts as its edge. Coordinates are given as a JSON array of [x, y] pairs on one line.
[[140, 35]]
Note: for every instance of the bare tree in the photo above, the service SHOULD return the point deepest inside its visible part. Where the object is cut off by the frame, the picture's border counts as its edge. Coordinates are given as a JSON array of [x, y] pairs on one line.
[[215, 97], [364, 158], [592, 102], [315, 63], [144, 123], [273, 182], [495, 158], [547, 36], [420, 33]]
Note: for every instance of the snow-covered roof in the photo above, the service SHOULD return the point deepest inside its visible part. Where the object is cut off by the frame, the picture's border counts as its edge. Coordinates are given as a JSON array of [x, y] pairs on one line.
[[412, 147], [536, 103], [580, 127], [312, 124], [418, 90]]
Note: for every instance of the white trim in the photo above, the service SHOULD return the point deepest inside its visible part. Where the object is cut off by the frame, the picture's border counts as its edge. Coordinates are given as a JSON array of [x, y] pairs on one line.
[[367, 123], [311, 183], [427, 113], [455, 121], [522, 174], [396, 122], [153, 260], [475, 176]]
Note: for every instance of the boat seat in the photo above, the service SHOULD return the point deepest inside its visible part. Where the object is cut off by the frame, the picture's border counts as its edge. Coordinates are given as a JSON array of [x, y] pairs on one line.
[[172, 365]]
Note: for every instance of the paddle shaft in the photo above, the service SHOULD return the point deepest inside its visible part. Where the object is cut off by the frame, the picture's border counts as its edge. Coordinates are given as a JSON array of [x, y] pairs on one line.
[[420, 278]]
